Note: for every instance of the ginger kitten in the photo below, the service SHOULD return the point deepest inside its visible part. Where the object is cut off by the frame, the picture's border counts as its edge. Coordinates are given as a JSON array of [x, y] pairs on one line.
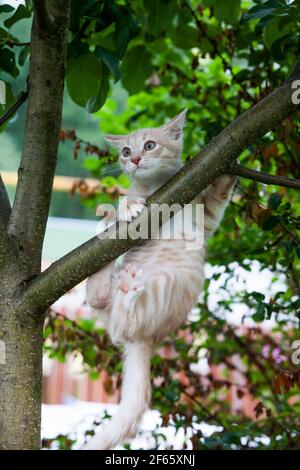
[[151, 289]]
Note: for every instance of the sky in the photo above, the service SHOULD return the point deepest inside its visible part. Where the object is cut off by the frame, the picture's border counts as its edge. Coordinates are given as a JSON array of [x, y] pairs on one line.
[[14, 3]]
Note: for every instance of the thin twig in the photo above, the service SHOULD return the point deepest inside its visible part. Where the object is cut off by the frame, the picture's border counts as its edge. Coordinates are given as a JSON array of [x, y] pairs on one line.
[[11, 43], [11, 111], [266, 178]]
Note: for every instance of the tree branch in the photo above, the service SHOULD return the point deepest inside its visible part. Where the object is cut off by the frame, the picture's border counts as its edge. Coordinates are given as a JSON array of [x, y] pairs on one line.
[[11, 43], [217, 158], [5, 209], [36, 172], [265, 177], [11, 111]]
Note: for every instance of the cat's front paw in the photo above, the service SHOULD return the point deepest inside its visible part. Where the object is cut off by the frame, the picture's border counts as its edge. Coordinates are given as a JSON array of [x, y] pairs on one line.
[[130, 209]]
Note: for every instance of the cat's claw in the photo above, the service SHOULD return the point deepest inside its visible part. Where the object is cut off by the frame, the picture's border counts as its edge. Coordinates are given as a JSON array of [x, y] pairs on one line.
[[130, 210], [131, 283]]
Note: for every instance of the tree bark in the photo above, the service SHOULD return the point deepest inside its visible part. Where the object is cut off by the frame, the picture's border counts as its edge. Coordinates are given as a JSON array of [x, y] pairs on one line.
[[36, 172], [5, 209], [20, 379]]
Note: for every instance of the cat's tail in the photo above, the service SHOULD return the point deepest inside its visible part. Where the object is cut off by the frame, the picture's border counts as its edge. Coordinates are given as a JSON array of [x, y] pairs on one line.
[[136, 395]]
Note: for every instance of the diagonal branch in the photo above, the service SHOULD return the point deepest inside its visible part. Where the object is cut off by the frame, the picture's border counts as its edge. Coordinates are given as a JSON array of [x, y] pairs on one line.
[[265, 177], [217, 158], [36, 172]]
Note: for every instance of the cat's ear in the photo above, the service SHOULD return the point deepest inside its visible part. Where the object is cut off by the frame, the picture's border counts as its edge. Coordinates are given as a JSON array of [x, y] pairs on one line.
[[116, 140], [174, 128]]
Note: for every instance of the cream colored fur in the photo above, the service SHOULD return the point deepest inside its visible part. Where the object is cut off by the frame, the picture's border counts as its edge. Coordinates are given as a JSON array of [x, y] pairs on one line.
[[151, 290]]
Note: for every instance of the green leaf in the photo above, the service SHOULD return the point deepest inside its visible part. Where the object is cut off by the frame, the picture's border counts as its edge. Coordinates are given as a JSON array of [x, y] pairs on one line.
[[96, 102], [23, 55], [136, 68], [124, 181], [86, 324], [6, 8], [228, 11], [110, 59], [185, 37], [209, 3], [259, 315], [160, 15], [271, 222], [20, 13], [79, 9], [274, 30], [126, 29], [257, 296], [258, 12], [94, 375], [91, 163], [5, 35], [104, 38], [108, 181], [83, 78], [274, 201], [271, 7], [7, 62]]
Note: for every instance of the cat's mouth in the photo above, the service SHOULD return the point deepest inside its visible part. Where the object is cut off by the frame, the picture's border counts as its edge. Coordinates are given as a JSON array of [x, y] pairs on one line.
[[139, 172], [138, 168]]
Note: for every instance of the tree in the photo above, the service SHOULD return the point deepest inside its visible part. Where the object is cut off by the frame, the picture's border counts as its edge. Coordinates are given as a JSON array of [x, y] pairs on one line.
[[148, 45]]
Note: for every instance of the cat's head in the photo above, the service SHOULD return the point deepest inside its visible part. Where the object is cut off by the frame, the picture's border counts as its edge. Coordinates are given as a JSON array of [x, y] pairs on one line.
[[153, 152]]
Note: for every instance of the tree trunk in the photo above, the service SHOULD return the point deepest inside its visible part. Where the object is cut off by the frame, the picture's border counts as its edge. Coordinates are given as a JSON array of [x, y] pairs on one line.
[[20, 379], [22, 231]]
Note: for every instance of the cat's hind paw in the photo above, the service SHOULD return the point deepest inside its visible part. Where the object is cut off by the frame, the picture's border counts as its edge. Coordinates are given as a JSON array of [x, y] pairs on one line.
[[131, 284]]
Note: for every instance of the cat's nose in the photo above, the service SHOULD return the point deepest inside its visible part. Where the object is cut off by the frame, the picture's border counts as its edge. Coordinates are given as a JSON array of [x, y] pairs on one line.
[[136, 160]]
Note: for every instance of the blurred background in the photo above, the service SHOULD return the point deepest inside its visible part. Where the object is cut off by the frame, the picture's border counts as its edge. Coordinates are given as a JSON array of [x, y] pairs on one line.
[[226, 380]]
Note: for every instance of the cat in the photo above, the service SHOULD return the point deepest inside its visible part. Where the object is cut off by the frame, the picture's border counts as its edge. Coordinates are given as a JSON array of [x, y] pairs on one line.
[[150, 290]]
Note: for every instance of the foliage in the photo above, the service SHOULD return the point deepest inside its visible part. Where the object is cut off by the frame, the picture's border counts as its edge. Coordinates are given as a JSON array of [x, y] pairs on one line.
[[134, 64]]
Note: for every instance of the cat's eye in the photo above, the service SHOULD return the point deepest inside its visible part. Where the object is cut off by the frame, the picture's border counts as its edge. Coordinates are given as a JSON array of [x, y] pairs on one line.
[[126, 152], [150, 145]]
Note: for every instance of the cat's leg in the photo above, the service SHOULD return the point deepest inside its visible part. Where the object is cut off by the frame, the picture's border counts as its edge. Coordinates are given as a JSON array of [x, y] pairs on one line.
[[148, 306], [98, 288], [130, 286], [215, 199]]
